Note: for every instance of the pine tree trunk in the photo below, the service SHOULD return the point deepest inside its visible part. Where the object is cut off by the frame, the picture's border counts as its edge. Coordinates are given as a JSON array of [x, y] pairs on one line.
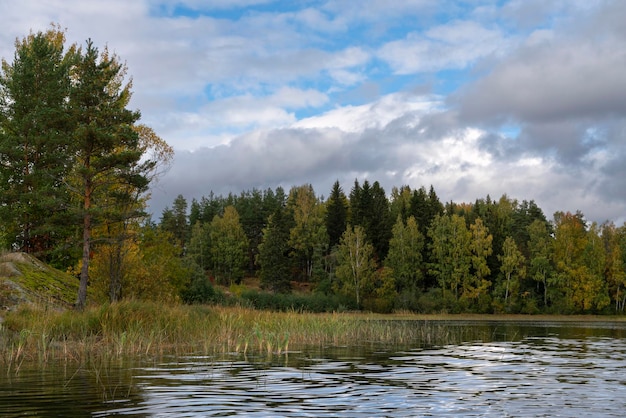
[[84, 271]]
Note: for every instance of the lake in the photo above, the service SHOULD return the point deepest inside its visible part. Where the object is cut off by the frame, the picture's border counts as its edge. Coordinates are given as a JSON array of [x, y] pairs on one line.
[[524, 369]]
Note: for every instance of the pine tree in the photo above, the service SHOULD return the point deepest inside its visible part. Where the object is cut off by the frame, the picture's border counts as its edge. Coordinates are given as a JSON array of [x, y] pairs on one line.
[[34, 130], [108, 171]]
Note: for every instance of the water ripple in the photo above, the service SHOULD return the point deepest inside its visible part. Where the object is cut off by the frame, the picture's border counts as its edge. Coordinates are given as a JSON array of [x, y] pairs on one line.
[[534, 375]]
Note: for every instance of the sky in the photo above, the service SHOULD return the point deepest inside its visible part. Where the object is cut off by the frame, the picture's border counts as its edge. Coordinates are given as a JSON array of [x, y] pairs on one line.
[[473, 97]]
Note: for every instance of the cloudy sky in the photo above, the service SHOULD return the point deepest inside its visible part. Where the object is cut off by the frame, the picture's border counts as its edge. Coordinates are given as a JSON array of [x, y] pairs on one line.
[[476, 97]]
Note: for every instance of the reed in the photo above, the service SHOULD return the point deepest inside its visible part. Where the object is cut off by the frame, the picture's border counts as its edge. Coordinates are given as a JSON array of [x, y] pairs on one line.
[[133, 328]]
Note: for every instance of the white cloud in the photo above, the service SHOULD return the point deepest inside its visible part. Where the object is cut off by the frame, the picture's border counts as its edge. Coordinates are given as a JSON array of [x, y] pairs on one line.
[[451, 46], [226, 89]]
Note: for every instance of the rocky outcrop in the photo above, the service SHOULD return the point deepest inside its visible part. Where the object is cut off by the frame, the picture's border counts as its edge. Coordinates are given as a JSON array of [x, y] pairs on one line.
[[26, 280]]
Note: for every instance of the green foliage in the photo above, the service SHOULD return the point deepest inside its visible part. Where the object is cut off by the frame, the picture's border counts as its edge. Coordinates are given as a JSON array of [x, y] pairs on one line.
[[451, 256], [175, 222], [228, 247], [156, 272], [274, 251], [200, 289], [199, 248], [35, 125], [540, 247], [336, 214], [370, 209], [382, 295], [405, 254], [513, 270], [308, 237], [313, 302], [356, 265], [476, 286]]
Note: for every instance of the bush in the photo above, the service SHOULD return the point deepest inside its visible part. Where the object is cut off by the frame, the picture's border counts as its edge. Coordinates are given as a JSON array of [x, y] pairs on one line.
[[314, 302], [200, 289]]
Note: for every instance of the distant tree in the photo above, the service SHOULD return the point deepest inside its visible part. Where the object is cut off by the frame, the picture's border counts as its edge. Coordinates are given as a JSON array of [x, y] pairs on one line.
[[369, 208], [477, 284], [405, 255], [336, 218], [591, 292], [425, 206], [199, 248], [175, 221], [569, 244], [615, 243], [356, 266], [540, 250], [308, 236], [400, 202], [513, 269], [379, 223], [451, 257], [253, 217], [274, 254], [229, 247]]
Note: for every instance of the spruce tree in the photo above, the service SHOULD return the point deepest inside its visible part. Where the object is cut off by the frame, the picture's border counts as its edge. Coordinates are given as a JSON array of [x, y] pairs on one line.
[[336, 214]]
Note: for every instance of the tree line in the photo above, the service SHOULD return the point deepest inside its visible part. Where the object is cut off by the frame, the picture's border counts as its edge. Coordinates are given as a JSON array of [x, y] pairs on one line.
[[406, 250]]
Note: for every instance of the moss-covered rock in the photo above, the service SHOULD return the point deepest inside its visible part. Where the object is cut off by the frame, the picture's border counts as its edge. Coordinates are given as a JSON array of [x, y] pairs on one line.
[[25, 279]]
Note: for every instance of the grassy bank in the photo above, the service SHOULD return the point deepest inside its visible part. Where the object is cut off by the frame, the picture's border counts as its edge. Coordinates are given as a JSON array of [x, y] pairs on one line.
[[151, 329], [134, 328]]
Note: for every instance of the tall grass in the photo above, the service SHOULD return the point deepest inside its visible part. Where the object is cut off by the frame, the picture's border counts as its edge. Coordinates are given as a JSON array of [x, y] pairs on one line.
[[133, 328]]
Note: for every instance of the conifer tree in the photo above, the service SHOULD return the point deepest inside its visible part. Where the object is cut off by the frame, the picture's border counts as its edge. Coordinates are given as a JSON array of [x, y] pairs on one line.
[[336, 214], [108, 171], [274, 254], [34, 130]]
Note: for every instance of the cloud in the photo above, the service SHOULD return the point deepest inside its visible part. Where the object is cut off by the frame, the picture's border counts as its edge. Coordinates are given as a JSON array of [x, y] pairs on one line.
[[563, 89], [451, 46], [256, 93]]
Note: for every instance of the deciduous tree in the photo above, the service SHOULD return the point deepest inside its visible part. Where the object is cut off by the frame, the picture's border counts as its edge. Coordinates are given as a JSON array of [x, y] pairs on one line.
[[405, 254], [477, 284], [308, 236], [356, 265], [540, 249], [513, 268], [229, 246], [450, 253]]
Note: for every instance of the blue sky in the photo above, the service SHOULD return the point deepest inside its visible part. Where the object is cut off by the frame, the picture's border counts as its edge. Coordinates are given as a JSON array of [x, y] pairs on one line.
[[476, 97]]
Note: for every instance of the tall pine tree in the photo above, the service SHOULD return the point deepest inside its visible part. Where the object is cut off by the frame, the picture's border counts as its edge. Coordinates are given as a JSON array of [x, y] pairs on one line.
[[108, 170], [34, 127]]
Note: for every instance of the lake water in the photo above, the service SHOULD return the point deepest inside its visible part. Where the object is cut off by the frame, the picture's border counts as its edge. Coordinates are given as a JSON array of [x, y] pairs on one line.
[[514, 369]]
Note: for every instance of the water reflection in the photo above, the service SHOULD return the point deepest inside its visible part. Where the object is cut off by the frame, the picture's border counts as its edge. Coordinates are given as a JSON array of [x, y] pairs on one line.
[[519, 370]]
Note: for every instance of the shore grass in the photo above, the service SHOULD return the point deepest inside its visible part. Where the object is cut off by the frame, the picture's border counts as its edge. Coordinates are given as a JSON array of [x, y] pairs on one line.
[[133, 328]]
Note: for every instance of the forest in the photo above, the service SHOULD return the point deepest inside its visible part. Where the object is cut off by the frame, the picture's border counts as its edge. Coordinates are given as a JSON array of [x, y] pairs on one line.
[[76, 167], [404, 251]]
